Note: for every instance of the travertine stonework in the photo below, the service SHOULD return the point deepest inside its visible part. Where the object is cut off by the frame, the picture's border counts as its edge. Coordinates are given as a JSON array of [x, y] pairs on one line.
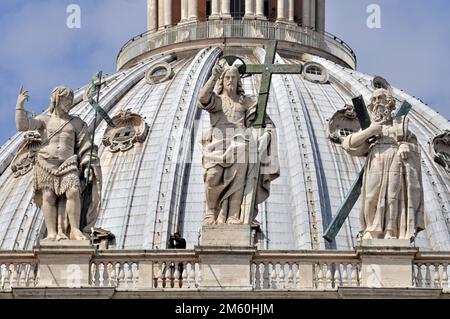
[[392, 190], [65, 149]]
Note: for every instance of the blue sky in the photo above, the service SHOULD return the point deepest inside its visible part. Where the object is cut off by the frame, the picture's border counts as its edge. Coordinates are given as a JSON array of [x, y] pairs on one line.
[[411, 49]]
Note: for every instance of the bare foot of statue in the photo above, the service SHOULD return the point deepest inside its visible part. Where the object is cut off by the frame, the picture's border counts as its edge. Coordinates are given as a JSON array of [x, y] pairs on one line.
[[209, 219], [233, 221], [51, 236], [221, 220], [389, 235], [76, 234], [367, 235], [61, 236]]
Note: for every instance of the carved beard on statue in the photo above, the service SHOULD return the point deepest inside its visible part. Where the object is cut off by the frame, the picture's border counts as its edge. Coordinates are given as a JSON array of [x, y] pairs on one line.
[[230, 87], [381, 113]]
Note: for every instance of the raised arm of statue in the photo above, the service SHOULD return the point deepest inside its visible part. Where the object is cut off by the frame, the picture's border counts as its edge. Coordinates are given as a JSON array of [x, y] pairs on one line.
[[23, 123], [357, 144], [207, 92], [362, 137]]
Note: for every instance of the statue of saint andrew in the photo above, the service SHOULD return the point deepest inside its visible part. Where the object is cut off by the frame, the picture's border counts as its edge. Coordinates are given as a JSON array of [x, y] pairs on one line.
[[226, 148], [64, 153], [392, 192]]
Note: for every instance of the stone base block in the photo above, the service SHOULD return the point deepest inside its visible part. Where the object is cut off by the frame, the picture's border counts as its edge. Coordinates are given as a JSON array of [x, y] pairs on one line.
[[387, 263], [226, 236], [225, 268], [404, 243], [64, 243], [64, 264]]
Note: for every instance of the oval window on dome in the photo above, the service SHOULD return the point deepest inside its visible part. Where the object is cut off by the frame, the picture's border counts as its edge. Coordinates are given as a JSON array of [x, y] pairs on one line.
[[314, 72], [379, 82], [159, 73]]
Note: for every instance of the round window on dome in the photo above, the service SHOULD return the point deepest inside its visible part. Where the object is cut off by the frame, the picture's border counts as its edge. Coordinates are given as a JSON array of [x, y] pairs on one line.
[[316, 73], [379, 82], [159, 73]]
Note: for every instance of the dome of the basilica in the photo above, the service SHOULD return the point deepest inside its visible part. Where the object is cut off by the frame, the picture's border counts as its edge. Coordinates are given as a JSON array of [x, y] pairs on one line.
[[152, 169]]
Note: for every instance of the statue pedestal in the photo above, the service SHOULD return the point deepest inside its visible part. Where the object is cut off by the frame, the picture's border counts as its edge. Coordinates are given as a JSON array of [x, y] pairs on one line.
[[226, 235], [64, 263], [225, 257], [386, 263]]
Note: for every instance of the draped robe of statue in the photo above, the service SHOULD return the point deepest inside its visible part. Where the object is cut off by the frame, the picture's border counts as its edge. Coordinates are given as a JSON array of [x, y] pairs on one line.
[[392, 193], [225, 152]]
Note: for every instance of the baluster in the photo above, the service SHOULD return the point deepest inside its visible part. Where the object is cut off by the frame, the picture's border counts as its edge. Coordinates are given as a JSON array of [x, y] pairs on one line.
[[121, 276], [297, 276], [423, 270], [257, 276], [320, 276], [266, 276], [191, 275], [345, 275], [337, 275], [112, 282], [194, 274], [2, 277], [160, 275], [290, 276], [176, 276], [128, 271], [418, 275], [92, 269], [14, 275], [167, 276], [31, 282], [184, 275], [436, 279], [354, 276], [97, 275], [328, 276], [281, 275], [102, 277], [22, 275], [444, 275], [135, 274], [273, 276], [427, 275], [7, 280]]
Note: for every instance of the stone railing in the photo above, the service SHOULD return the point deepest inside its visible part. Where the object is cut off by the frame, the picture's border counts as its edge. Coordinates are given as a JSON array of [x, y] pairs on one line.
[[305, 270], [169, 269], [18, 270], [430, 270], [269, 272], [323, 44]]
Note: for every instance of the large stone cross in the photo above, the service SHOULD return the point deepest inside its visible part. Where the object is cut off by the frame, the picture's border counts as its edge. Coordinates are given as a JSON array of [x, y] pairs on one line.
[[355, 190], [267, 70]]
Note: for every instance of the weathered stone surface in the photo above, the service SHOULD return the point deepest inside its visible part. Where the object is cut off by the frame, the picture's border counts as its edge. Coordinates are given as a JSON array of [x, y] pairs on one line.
[[226, 236], [225, 268], [64, 264], [385, 264], [392, 204], [65, 154]]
